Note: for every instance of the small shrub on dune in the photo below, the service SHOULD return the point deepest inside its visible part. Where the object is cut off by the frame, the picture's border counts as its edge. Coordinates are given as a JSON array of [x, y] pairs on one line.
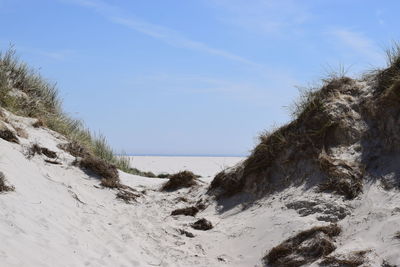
[[106, 171], [180, 180], [229, 181], [3, 186], [304, 248]]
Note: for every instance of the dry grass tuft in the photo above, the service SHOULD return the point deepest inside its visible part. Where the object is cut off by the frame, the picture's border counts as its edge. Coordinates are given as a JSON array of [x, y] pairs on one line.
[[8, 135], [110, 183], [189, 211], [74, 149], [107, 172], [385, 78], [343, 178], [304, 248], [3, 186], [180, 180], [230, 181], [36, 149]]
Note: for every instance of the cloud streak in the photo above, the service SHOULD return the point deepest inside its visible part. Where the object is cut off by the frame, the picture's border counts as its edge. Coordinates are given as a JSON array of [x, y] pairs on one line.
[[359, 43], [169, 36], [261, 16]]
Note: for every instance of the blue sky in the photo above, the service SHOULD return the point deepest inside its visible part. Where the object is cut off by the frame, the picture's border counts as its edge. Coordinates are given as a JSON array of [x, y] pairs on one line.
[[192, 77]]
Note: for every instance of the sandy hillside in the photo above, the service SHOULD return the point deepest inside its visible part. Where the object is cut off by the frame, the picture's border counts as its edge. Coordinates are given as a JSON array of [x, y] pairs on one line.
[[322, 190], [60, 216]]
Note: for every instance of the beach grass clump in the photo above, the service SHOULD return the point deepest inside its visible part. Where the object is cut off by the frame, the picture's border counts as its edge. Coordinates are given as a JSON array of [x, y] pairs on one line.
[[25, 92], [106, 171]]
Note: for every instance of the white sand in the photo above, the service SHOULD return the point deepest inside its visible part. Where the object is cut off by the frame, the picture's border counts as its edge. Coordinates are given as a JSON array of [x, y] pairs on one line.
[[58, 216]]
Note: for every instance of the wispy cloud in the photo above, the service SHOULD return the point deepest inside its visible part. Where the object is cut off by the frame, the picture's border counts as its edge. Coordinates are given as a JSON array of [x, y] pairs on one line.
[[169, 36], [262, 16], [359, 44], [173, 38]]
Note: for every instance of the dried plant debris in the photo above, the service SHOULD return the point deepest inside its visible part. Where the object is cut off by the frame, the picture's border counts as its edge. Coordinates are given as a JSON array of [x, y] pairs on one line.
[[344, 179], [54, 162], [189, 211], [3, 186], [37, 149], [127, 195], [108, 173], [304, 248], [8, 135], [180, 180], [202, 224], [186, 233]]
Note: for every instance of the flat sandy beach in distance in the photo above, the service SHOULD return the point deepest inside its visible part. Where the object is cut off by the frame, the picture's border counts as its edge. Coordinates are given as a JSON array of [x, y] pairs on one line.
[[207, 167]]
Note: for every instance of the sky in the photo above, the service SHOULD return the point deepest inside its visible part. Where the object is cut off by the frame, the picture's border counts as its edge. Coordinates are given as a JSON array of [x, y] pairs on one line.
[[198, 77]]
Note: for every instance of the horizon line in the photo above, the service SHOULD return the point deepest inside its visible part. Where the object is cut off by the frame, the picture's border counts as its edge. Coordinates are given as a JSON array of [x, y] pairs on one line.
[[183, 155]]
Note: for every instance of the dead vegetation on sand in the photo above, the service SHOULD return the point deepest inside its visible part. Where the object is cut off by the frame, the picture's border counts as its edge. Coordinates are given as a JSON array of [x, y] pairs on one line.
[[180, 180], [3, 184], [188, 211], [107, 172], [37, 149], [304, 248], [8, 135], [202, 224], [127, 195]]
